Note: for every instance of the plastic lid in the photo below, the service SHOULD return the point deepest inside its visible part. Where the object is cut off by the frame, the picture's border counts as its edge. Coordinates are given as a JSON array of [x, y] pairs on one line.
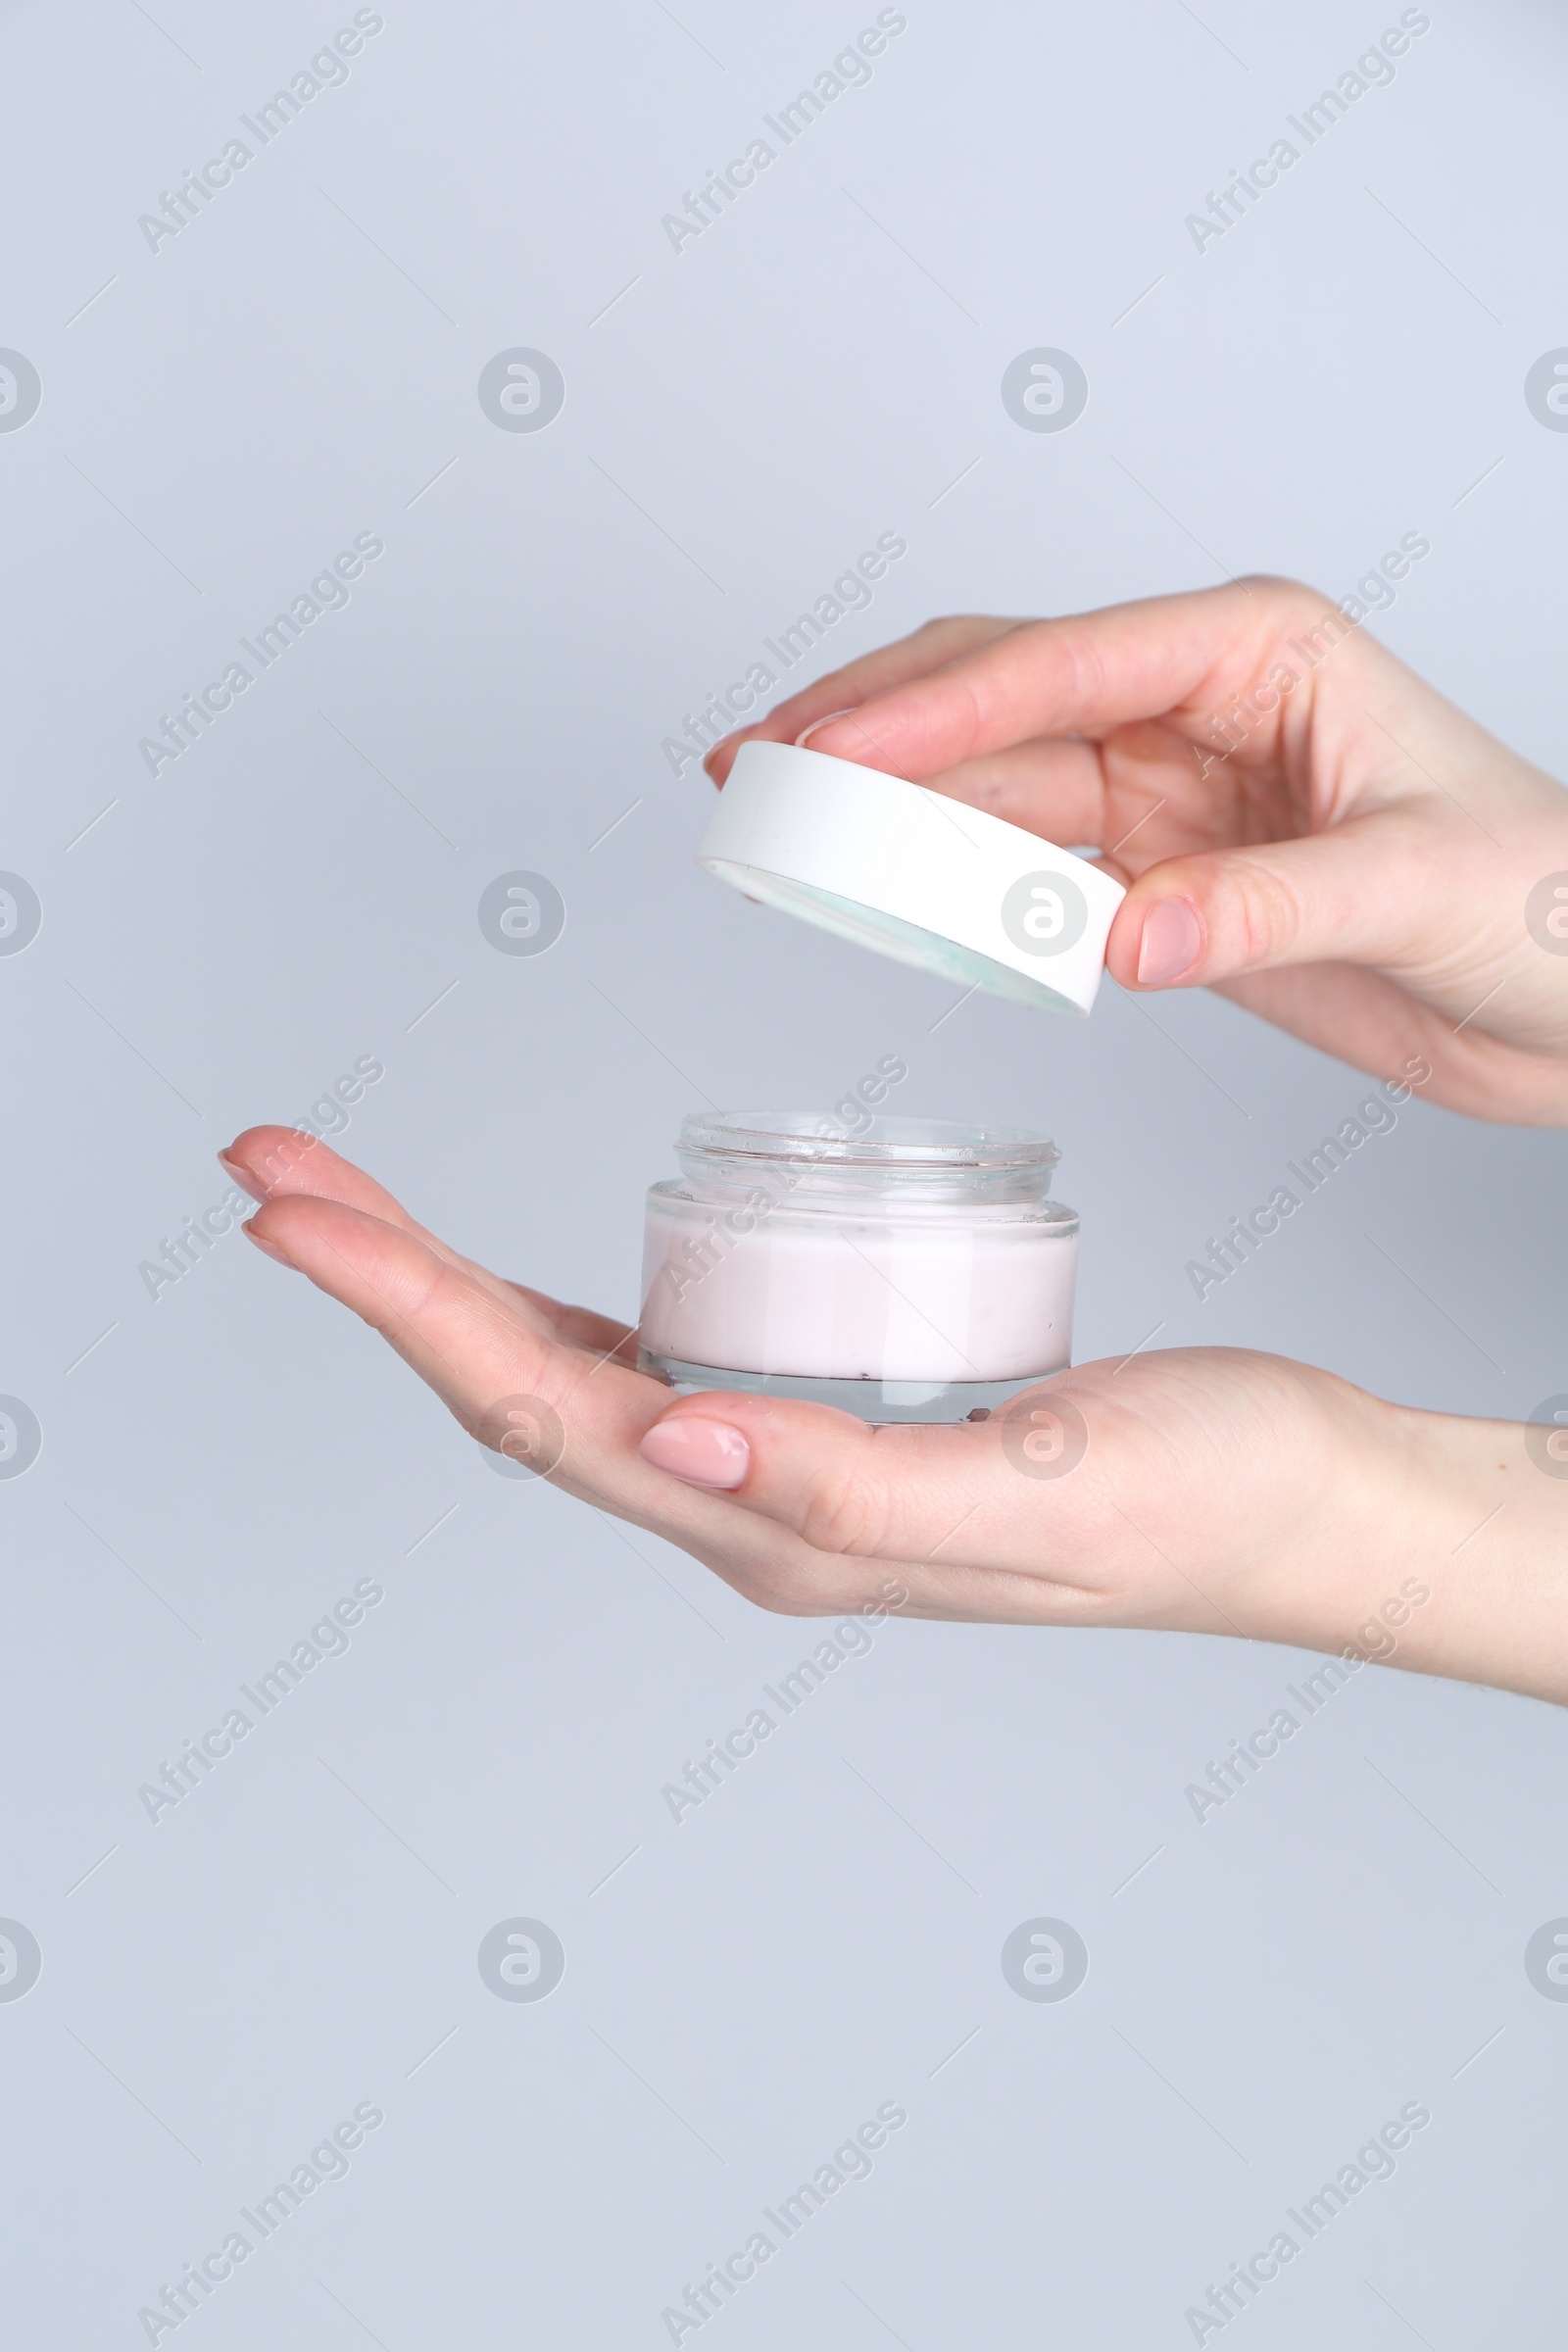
[[924, 879]]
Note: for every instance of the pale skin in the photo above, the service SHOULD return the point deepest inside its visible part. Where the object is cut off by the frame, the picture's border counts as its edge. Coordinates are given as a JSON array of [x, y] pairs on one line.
[[1355, 870]]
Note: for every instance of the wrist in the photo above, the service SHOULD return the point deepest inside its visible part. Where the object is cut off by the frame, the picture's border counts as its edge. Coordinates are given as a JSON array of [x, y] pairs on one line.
[[1498, 1555], [1445, 1551]]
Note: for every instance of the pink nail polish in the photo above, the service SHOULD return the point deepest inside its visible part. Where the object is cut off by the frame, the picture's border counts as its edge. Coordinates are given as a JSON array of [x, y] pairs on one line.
[[242, 1176], [270, 1248], [1172, 937], [705, 1453]]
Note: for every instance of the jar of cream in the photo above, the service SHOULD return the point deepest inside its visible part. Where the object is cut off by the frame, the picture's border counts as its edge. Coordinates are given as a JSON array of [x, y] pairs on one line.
[[915, 1271]]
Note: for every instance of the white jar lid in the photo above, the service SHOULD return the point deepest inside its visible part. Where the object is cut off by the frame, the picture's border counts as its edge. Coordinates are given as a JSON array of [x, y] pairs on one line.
[[915, 875]]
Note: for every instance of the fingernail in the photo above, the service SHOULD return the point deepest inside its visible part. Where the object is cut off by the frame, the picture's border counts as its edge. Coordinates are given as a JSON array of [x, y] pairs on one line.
[[241, 1175], [705, 1453], [726, 743], [271, 1248], [806, 733], [1172, 937]]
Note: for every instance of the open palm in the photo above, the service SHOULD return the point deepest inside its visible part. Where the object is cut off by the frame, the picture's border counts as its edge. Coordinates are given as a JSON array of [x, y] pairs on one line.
[[1204, 1489]]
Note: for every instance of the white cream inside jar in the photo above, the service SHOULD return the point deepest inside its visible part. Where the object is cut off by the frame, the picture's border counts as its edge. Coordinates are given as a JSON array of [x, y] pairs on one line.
[[917, 1271]]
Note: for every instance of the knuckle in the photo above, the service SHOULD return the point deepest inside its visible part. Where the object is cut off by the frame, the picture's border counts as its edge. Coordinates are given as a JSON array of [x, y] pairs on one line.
[[1287, 595], [1270, 913], [1085, 656], [845, 1511], [1276, 584]]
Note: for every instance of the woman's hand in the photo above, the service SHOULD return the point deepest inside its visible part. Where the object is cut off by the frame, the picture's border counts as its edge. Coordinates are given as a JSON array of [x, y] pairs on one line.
[[1200, 1490], [1303, 823]]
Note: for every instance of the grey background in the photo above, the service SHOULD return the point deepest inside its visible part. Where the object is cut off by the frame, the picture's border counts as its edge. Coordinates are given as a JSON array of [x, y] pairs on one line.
[[218, 944]]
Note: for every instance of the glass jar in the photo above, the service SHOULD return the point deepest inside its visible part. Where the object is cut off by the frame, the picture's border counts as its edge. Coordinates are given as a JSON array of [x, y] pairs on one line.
[[915, 1271]]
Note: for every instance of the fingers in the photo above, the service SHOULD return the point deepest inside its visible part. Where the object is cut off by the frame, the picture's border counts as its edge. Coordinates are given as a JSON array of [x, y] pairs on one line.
[[803, 1511], [480, 1351], [1193, 1490], [580, 1326], [287, 1163], [1273, 687], [472, 1346], [475, 1345], [270, 1161], [913, 657], [1053, 788], [1396, 889], [809, 1512], [947, 1501], [1080, 675]]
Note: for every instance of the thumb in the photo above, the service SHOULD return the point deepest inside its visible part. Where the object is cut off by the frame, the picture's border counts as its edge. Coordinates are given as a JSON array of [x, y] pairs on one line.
[[1362, 892]]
